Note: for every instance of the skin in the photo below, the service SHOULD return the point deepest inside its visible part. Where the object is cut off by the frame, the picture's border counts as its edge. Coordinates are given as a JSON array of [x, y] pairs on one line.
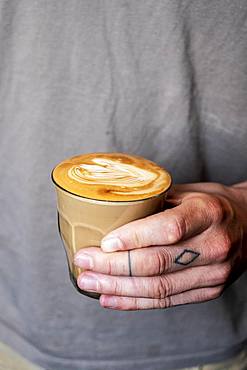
[[188, 253]]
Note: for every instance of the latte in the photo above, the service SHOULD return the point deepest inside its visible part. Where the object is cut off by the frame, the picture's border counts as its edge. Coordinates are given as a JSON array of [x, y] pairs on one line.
[[99, 192], [111, 177]]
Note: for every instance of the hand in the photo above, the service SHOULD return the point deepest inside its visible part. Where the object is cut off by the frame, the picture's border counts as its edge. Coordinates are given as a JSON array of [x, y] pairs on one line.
[[185, 254]]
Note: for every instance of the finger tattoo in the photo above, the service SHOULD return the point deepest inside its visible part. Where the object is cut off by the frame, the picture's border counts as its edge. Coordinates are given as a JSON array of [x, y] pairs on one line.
[[186, 257], [129, 262]]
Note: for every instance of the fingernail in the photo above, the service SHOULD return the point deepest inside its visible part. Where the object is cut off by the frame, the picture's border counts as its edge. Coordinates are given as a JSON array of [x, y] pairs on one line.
[[111, 244], [109, 302], [88, 283], [83, 260]]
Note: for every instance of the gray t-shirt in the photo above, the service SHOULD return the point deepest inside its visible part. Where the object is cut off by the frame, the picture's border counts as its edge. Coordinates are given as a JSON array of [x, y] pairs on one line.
[[163, 79]]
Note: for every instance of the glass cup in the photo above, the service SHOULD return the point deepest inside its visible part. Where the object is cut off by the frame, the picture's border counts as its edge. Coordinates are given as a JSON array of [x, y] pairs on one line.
[[83, 222]]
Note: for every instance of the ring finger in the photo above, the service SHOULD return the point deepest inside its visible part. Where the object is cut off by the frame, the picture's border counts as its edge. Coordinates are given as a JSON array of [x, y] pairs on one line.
[[157, 287]]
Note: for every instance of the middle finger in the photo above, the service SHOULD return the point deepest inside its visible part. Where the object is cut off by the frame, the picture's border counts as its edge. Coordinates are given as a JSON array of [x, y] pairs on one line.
[[156, 286], [150, 261]]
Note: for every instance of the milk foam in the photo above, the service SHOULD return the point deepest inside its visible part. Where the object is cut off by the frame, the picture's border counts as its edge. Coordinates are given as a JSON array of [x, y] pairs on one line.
[[109, 172], [111, 176]]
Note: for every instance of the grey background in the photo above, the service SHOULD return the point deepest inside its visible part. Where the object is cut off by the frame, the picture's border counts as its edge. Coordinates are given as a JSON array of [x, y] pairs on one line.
[[163, 79]]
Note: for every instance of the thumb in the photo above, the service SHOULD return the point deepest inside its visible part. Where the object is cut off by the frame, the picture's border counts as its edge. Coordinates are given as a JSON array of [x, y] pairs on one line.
[[136, 234]]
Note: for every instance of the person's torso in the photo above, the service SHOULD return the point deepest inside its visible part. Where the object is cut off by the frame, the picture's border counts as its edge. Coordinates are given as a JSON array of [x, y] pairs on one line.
[[162, 79]]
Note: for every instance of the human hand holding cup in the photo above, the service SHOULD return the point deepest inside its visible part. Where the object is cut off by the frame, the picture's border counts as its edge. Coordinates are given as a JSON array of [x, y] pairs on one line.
[[189, 253]]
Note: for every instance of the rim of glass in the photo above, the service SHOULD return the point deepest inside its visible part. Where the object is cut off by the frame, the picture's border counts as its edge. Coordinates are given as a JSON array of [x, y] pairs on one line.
[[112, 201]]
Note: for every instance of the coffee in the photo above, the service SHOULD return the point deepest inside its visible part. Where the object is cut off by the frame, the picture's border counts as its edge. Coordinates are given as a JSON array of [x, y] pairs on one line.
[[111, 176], [98, 192]]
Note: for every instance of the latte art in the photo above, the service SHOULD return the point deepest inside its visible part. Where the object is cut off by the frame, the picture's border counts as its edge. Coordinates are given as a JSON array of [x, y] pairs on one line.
[[111, 176], [109, 172]]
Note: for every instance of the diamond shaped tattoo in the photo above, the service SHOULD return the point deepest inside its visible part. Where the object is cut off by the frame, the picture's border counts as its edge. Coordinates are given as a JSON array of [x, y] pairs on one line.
[[186, 257]]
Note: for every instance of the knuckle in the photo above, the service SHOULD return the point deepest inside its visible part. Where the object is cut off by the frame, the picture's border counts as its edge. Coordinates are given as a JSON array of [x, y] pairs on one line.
[[226, 242], [201, 200], [223, 247], [215, 207], [162, 261], [164, 303], [162, 288], [176, 228]]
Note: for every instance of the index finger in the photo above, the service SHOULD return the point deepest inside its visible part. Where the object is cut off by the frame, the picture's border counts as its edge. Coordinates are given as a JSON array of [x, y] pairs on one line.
[[190, 218]]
